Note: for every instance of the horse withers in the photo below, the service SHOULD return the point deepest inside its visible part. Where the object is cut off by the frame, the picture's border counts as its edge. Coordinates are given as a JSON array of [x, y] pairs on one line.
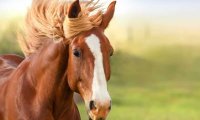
[[41, 87]]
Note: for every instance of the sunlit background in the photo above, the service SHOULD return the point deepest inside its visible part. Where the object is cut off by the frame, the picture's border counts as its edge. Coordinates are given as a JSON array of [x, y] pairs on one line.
[[156, 65]]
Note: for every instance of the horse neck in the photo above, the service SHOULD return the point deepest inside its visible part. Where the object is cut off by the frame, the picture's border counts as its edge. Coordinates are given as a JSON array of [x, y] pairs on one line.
[[47, 70]]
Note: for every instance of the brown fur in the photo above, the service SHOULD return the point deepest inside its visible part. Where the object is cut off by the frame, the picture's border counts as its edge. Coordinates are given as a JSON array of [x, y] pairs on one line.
[[8, 64], [32, 93]]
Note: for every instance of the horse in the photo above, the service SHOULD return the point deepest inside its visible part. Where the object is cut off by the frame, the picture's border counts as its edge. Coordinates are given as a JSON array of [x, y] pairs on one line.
[[66, 51]]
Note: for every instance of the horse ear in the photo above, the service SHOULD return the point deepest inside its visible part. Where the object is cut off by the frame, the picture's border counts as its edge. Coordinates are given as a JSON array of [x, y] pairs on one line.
[[74, 9], [108, 15]]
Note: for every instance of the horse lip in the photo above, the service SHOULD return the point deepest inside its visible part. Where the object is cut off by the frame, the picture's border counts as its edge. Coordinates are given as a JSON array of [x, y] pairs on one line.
[[90, 116]]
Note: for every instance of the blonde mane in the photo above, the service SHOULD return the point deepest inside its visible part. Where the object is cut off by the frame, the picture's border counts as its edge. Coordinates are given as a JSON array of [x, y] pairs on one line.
[[48, 20]]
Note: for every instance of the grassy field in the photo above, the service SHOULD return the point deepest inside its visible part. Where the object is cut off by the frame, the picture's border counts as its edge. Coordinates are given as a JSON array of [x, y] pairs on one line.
[[151, 79]]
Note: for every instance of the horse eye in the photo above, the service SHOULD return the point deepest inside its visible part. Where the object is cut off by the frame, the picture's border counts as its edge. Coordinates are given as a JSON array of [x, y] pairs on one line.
[[111, 53], [77, 53]]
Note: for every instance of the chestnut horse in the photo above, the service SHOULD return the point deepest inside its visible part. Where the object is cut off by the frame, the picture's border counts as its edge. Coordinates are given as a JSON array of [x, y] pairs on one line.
[[41, 86]]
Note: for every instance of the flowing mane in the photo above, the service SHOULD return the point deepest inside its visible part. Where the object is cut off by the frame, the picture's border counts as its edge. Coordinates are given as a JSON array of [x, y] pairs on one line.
[[48, 20]]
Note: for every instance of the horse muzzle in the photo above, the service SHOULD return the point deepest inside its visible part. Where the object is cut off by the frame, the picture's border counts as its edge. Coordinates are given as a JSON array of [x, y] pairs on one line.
[[98, 110]]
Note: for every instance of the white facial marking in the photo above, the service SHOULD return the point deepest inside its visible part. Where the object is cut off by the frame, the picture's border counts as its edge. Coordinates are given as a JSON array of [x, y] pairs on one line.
[[99, 85]]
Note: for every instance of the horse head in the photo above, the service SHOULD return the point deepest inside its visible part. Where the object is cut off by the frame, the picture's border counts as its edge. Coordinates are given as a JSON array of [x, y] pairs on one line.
[[89, 64]]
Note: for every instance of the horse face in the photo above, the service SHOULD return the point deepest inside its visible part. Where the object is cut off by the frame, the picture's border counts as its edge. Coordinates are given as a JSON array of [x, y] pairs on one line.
[[89, 65], [89, 71]]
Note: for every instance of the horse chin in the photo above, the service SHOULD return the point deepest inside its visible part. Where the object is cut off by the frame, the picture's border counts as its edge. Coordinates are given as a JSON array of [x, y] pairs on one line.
[[90, 118], [95, 119]]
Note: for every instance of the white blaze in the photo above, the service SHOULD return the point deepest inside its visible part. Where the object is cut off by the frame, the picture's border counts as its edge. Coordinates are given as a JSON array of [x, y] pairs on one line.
[[99, 85]]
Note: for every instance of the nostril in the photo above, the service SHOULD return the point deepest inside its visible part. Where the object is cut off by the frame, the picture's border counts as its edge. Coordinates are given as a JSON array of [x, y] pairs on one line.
[[100, 119], [92, 105], [110, 105]]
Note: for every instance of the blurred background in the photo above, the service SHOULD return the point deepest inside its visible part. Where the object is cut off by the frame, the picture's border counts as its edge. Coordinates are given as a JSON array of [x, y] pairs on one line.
[[156, 64]]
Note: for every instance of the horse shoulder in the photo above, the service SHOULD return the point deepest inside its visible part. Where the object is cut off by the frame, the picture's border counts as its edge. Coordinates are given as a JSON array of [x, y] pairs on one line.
[[8, 63]]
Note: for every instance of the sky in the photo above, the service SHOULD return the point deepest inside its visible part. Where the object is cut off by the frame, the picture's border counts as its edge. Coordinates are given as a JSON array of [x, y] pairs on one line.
[[187, 8], [159, 7]]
